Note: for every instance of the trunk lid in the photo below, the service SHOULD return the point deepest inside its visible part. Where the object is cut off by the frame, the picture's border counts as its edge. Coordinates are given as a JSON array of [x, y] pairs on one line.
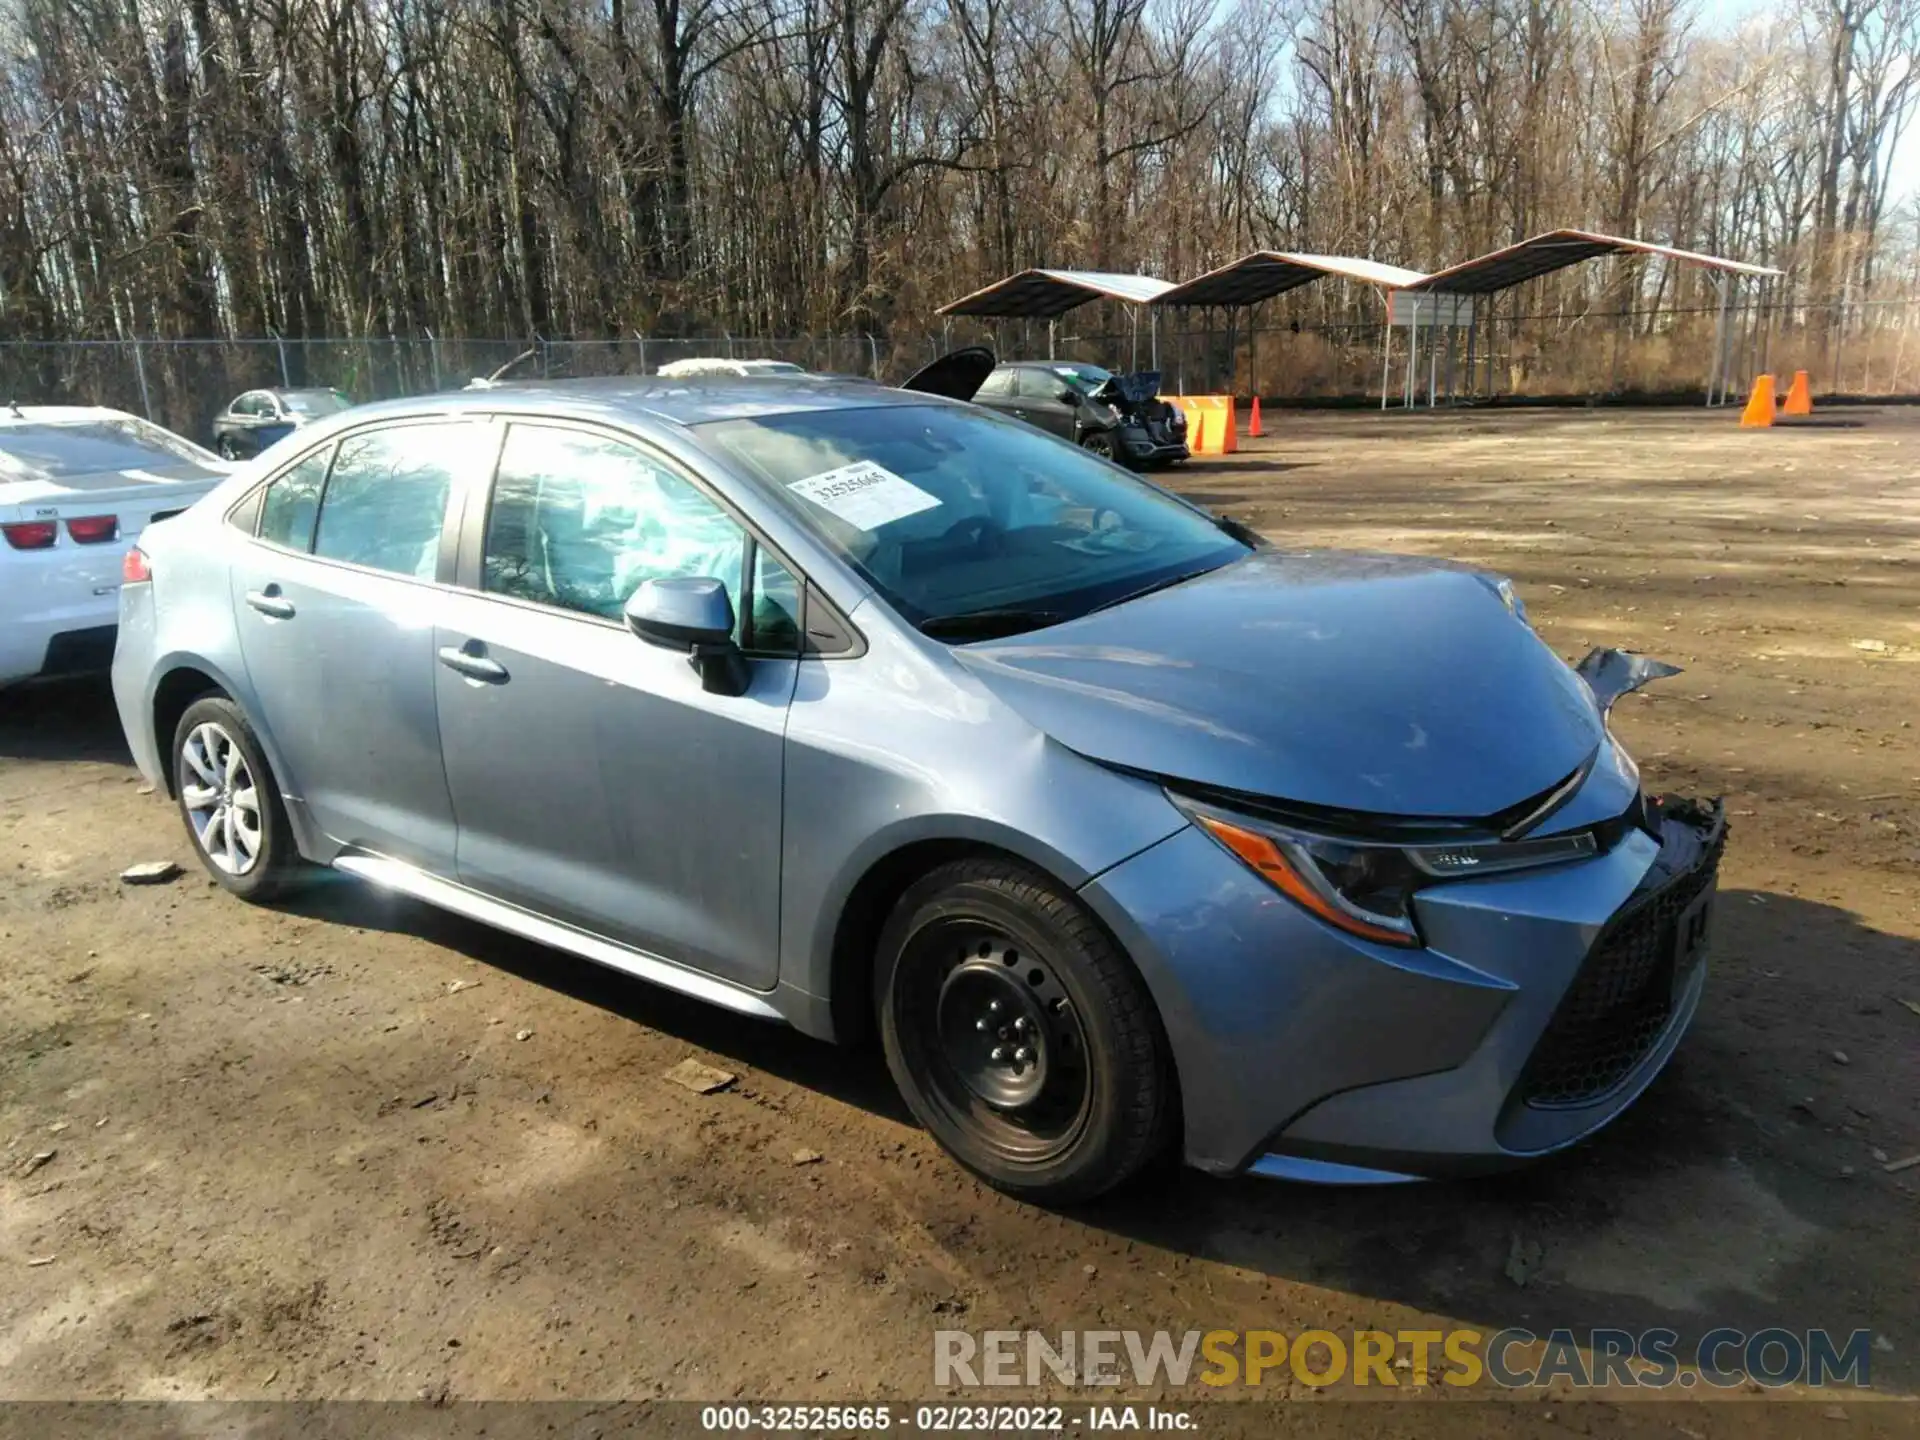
[[136, 496]]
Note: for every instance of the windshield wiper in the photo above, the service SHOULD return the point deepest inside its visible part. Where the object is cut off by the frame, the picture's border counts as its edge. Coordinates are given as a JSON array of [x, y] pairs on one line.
[[1158, 585], [981, 624], [1244, 533]]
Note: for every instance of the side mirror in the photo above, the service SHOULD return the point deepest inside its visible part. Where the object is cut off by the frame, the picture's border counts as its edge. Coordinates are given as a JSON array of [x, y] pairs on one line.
[[1069, 396], [691, 614]]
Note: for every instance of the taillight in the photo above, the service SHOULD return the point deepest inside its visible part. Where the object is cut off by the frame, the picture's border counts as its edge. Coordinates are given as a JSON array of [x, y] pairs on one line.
[[134, 569], [93, 529], [30, 534]]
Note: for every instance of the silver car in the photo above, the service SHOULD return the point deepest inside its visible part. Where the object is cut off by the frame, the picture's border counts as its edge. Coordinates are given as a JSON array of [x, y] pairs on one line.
[[865, 710]]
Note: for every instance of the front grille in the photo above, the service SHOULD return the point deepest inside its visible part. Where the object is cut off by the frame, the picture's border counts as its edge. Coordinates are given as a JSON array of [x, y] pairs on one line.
[[1622, 998]]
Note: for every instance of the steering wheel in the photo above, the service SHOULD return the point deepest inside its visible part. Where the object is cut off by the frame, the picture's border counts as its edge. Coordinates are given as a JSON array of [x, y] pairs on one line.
[[971, 529]]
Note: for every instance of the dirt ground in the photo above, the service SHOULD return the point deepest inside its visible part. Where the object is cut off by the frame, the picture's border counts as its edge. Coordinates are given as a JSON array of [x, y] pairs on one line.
[[357, 1148]]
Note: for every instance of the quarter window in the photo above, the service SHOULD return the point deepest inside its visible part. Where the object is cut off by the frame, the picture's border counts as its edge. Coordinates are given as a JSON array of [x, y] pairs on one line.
[[292, 501], [386, 500], [580, 521]]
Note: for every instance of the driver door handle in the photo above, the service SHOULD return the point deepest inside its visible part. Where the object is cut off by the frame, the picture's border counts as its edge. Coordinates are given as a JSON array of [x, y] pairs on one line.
[[270, 603], [474, 667]]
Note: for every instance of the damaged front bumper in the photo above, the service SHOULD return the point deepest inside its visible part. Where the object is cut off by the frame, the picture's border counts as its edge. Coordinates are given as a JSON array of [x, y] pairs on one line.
[[1544, 1078], [1540, 1006], [1149, 442]]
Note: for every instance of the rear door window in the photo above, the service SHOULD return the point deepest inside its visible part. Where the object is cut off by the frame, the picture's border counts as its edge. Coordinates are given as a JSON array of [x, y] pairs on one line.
[[385, 505]]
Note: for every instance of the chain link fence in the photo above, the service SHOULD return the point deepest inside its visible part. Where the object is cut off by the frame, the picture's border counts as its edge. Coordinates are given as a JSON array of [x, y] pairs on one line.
[[1867, 348], [183, 383]]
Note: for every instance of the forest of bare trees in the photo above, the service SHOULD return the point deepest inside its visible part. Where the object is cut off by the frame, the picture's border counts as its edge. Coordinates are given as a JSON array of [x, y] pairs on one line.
[[207, 168]]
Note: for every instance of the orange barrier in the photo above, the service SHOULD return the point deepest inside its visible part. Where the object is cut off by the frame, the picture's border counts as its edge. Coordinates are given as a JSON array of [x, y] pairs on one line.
[[1253, 424], [1759, 411], [1799, 396], [1211, 424]]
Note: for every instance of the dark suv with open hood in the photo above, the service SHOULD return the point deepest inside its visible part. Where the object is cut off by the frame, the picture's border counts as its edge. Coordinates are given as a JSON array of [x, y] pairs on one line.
[[1118, 416]]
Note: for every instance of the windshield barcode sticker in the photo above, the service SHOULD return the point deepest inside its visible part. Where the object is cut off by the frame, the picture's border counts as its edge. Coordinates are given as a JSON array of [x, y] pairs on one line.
[[864, 494]]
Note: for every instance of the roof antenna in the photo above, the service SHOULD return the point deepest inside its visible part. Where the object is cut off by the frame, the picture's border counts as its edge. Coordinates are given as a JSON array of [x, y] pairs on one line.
[[487, 382]]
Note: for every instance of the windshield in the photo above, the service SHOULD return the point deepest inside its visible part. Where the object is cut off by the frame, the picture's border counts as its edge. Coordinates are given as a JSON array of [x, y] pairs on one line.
[[49, 451], [952, 512], [314, 402]]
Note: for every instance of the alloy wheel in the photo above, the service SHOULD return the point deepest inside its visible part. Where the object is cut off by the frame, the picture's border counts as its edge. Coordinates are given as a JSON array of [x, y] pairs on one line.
[[222, 802]]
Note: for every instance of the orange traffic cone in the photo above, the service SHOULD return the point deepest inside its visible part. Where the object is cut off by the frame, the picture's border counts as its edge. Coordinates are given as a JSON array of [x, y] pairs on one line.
[[1253, 425], [1799, 396], [1196, 432], [1759, 409]]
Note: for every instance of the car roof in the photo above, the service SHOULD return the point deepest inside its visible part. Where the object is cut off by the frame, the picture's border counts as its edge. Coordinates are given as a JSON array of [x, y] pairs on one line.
[[690, 400], [1048, 364]]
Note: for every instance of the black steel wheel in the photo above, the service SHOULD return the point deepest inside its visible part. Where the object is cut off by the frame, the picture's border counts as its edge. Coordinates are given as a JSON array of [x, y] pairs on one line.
[[1019, 1035]]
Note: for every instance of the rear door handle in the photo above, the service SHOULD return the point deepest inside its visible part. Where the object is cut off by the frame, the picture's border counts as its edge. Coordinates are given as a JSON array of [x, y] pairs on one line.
[[474, 667], [269, 602]]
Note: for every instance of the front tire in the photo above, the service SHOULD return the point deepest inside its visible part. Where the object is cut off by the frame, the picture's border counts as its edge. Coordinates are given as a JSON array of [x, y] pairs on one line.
[[230, 802], [228, 450], [1020, 1035], [1100, 442]]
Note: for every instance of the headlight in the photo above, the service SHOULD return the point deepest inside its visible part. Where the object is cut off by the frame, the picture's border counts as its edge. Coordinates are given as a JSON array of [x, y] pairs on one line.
[[1363, 888]]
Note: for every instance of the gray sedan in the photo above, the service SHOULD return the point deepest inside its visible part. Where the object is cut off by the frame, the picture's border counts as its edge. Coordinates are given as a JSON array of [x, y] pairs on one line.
[[259, 418], [869, 711]]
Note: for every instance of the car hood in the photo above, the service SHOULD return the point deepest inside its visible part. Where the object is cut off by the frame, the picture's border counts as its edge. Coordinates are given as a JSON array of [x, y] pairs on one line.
[[1381, 683]]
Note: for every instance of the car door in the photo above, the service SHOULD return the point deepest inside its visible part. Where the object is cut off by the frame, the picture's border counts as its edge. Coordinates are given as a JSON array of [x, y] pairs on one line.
[[1000, 391], [1046, 400], [233, 428], [272, 423], [335, 602], [594, 779]]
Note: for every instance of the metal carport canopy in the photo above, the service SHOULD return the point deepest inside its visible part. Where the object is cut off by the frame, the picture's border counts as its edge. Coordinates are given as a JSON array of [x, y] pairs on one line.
[[1046, 294], [1555, 250], [1265, 273]]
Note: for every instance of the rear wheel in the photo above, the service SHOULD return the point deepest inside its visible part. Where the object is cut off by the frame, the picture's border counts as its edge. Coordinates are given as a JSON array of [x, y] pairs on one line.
[[1019, 1035], [228, 450], [230, 802]]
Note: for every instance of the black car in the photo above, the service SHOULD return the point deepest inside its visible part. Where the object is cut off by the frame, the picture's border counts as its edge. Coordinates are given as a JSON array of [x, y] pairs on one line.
[[1118, 416], [258, 418]]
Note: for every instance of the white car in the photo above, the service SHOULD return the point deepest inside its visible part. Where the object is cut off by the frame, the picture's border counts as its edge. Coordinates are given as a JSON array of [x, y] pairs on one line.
[[716, 365], [76, 485]]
